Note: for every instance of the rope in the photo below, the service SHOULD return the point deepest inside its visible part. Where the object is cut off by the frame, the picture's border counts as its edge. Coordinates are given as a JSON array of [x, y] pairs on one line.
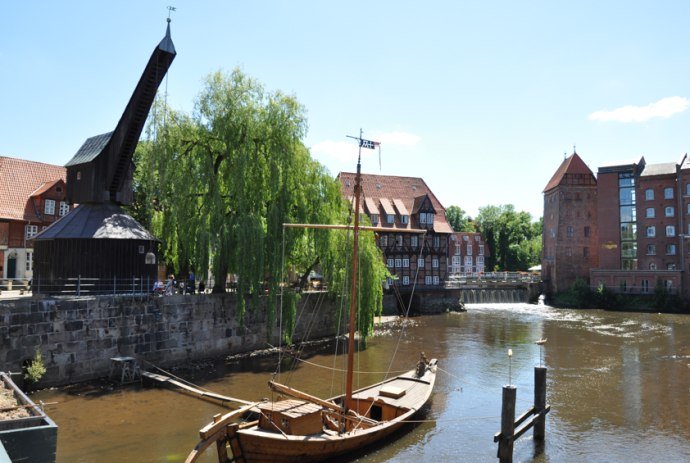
[[340, 369]]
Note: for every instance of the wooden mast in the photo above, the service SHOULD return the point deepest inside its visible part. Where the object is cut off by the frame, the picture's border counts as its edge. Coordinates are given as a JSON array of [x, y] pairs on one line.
[[353, 286]]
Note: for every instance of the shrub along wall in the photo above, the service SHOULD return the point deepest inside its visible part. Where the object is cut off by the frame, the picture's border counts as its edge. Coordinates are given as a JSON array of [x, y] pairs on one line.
[[78, 336]]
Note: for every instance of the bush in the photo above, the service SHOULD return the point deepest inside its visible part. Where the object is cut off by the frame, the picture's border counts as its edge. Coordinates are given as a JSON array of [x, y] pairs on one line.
[[35, 369]]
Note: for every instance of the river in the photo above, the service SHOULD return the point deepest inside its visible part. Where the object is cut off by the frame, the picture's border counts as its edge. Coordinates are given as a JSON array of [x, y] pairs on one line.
[[618, 385]]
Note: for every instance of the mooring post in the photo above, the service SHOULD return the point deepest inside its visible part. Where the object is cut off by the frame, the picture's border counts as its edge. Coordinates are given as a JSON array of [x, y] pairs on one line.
[[505, 445], [539, 402]]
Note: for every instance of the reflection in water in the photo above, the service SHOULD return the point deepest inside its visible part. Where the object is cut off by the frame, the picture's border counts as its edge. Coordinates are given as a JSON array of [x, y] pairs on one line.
[[617, 383]]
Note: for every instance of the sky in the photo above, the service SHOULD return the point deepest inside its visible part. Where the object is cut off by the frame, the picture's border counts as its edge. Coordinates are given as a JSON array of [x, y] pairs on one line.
[[482, 99]]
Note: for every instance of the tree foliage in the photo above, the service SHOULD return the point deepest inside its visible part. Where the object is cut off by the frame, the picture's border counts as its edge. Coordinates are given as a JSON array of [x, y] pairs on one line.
[[514, 240], [458, 221], [217, 186]]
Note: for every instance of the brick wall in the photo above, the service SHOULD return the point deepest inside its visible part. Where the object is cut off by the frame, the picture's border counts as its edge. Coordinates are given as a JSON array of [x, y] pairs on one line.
[[77, 337]]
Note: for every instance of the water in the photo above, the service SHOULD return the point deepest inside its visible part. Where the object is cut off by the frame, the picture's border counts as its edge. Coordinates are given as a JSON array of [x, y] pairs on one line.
[[618, 385]]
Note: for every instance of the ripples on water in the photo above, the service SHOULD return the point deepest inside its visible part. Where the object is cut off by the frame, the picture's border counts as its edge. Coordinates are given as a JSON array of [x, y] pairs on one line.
[[618, 385]]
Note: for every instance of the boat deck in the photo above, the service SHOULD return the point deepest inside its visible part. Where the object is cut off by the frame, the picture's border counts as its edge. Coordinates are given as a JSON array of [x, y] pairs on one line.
[[403, 391]]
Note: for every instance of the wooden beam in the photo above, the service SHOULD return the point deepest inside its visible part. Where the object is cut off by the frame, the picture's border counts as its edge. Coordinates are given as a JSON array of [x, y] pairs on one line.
[[287, 390]]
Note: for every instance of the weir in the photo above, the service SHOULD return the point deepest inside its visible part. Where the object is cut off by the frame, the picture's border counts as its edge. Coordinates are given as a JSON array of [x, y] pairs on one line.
[[493, 295]]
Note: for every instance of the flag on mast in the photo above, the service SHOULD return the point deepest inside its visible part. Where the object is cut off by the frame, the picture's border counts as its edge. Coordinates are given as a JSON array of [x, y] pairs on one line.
[[370, 144]]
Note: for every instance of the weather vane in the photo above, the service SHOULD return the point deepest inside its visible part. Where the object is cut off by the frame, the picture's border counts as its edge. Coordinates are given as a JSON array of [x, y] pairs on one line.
[[170, 10]]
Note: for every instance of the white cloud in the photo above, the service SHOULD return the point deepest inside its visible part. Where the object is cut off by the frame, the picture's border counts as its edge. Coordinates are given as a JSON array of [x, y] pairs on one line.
[[346, 150], [664, 108]]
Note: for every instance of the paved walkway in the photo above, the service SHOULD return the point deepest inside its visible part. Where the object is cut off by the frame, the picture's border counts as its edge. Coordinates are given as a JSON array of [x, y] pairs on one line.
[[14, 294]]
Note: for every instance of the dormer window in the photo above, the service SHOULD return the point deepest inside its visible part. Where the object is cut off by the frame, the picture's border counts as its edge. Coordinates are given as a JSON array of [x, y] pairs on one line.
[[49, 207], [64, 208], [405, 219], [426, 218], [390, 218], [374, 219]]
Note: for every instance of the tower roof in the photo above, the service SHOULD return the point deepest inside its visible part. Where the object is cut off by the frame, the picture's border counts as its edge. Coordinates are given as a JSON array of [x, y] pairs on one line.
[[573, 164]]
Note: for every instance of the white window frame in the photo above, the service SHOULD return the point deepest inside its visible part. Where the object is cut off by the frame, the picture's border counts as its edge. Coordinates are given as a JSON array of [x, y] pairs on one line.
[[437, 280], [670, 230], [30, 231], [434, 262], [668, 192], [420, 262], [480, 260], [481, 249], [428, 280], [64, 208], [28, 264], [651, 231], [414, 241], [437, 241], [390, 263], [669, 211], [398, 240], [49, 207], [469, 249], [468, 261], [406, 263], [650, 213], [406, 280], [398, 263]]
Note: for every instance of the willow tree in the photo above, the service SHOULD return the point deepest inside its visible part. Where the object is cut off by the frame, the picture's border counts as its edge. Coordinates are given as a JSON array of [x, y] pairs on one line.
[[219, 184]]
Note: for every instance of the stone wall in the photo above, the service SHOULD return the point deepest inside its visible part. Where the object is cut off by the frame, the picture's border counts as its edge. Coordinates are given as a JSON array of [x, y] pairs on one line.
[[78, 336]]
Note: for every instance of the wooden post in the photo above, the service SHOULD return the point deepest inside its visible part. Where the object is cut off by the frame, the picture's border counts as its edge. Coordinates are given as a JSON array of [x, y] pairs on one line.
[[539, 402], [505, 445]]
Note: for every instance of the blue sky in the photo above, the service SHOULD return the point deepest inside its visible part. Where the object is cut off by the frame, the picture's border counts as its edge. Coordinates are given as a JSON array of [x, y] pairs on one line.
[[480, 98]]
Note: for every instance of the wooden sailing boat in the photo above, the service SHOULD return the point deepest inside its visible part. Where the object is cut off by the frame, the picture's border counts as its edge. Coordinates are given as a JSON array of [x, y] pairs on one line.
[[304, 428]]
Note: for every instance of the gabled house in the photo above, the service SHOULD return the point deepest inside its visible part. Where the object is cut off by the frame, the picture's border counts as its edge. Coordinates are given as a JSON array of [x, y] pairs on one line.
[[467, 253], [32, 197], [397, 205]]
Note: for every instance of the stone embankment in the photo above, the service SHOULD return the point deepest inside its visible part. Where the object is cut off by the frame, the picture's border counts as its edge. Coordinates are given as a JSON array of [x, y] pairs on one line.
[[78, 336]]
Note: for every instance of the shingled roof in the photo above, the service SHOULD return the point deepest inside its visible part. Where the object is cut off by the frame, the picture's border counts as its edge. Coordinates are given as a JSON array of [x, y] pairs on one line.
[[19, 180], [573, 164], [387, 191]]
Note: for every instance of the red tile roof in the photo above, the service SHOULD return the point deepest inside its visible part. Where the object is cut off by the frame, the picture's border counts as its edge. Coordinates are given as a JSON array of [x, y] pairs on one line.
[[387, 189], [19, 180], [573, 164]]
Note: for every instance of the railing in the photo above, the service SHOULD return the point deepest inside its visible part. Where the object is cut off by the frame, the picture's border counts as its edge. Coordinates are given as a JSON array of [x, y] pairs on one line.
[[643, 290], [82, 286], [455, 280]]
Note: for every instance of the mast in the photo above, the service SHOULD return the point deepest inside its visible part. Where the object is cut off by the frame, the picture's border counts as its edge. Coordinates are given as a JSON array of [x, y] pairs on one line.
[[353, 286]]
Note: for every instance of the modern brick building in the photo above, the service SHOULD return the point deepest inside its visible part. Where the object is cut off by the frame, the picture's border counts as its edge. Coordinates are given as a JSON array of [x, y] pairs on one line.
[[404, 203], [638, 216], [32, 196]]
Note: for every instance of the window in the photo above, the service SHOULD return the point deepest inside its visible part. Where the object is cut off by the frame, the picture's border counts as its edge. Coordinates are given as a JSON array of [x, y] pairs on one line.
[[64, 208], [384, 240], [422, 217], [649, 194], [570, 231], [465, 238], [651, 249], [434, 262], [481, 248], [585, 252], [398, 263], [374, 219], [670, 266], [414, 241], [468, 261], [406, 263], [31, 231], [406, 280], [645, 286], [428, 280], [652, 266], [457, 260], [687, 189], [398, 240], [668, 193], [50, 207], [458, 249], [29, 261], [469, 249], [670, 230], [437, 241], [671, 249], [404, 219], [480, 260], [390, 218], [651, 231], [420, 262], [436, 280], [390, 263], [650, 213], [568, 251], [669, 211], [586, 232]]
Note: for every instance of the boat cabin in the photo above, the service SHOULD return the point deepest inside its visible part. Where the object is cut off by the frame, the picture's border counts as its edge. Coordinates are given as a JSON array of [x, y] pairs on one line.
[[292, 417]]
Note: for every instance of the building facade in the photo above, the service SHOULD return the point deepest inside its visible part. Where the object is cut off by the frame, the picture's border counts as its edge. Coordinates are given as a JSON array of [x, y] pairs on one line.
[[467, 253], [570, 233], [398, 205], [638, 219], [32, 197]]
